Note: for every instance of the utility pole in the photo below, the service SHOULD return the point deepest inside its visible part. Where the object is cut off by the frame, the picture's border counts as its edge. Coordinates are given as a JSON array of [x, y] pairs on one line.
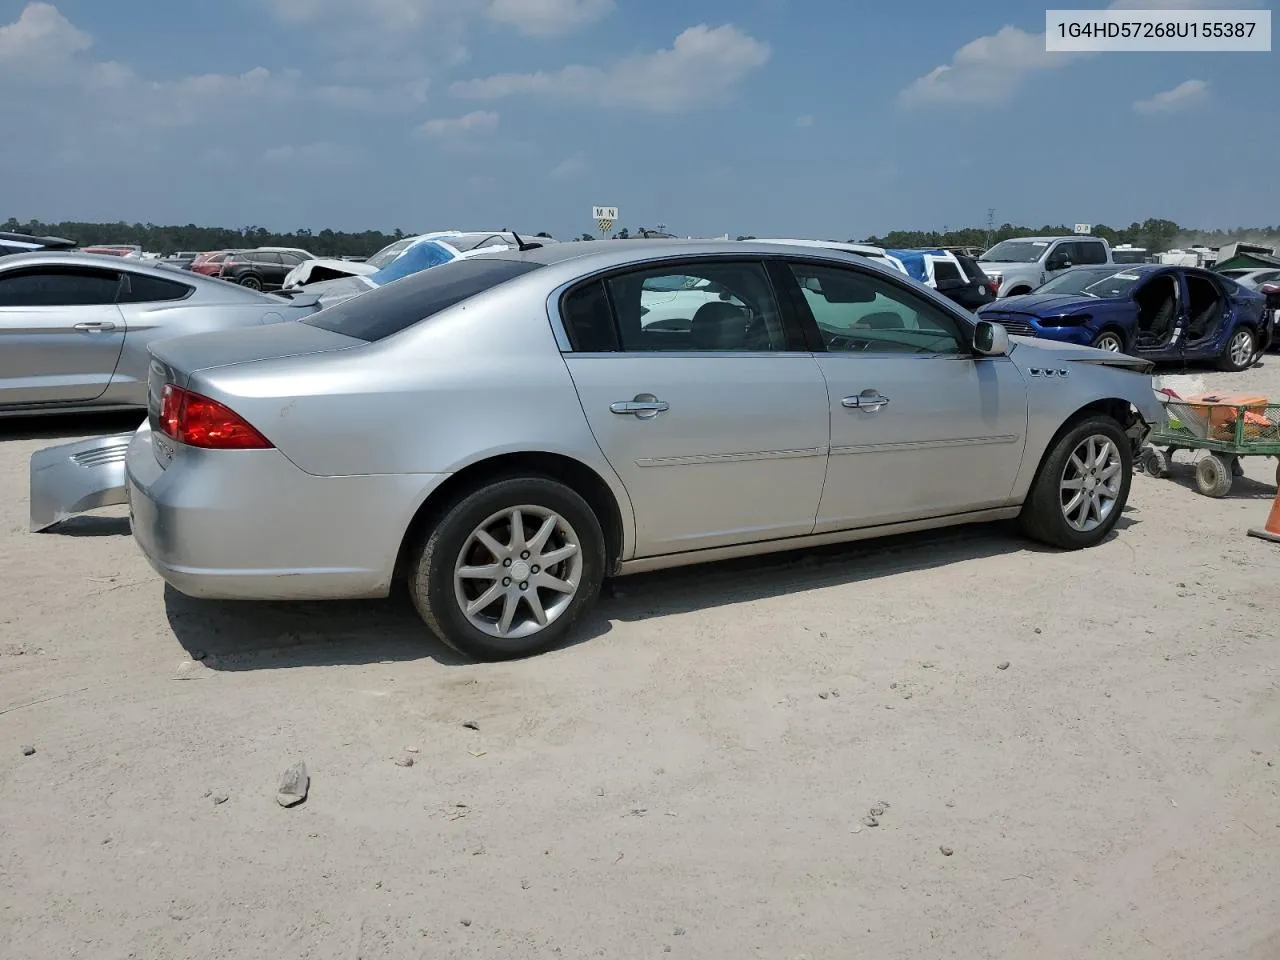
[[991, 224]]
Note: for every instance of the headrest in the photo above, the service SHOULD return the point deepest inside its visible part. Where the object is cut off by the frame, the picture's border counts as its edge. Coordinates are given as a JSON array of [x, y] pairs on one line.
[[719, 326]]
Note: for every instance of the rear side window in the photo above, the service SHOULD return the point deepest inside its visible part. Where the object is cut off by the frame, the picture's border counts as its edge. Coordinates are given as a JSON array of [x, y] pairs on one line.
[[397, 306], [1090, 253], [138, 288], [946, 272], [588, 319]]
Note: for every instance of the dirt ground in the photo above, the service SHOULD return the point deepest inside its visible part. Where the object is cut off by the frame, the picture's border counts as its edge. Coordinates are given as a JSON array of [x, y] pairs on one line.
[[690, 779]]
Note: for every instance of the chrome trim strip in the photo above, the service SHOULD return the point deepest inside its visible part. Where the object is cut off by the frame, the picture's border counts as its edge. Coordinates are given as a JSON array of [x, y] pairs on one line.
[[648, 564], [922, 445], [731, 457]]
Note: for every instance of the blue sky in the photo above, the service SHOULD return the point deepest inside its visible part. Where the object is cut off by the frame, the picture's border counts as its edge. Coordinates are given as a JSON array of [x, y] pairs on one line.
[[774, 117]]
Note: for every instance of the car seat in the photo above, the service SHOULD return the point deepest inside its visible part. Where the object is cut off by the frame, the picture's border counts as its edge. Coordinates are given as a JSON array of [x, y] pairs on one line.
[[719, 326]]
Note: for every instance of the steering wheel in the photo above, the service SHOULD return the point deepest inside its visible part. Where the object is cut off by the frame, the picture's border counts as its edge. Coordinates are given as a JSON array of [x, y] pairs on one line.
[[847, 344]]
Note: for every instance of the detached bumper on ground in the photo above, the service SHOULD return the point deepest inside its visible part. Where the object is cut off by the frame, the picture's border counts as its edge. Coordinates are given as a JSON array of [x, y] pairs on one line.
[[74, 477]]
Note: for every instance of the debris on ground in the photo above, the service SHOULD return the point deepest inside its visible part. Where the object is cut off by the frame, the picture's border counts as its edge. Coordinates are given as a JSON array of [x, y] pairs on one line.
[[471, 725], [404, 760], [28, 750], [945, 850], [220, 798], [294, 785], [1002, 665], [871, 821]]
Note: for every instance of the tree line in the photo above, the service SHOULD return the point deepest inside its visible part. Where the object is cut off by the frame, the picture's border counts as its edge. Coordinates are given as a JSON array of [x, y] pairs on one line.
[[1153, 234]]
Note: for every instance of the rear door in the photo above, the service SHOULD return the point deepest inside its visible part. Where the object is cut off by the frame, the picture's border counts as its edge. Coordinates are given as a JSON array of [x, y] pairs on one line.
[[715, 421], [61, 333]]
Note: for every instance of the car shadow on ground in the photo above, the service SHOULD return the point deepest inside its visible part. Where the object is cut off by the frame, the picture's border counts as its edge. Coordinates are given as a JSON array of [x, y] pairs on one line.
[[69, 426], [239, 635], [91, 525]]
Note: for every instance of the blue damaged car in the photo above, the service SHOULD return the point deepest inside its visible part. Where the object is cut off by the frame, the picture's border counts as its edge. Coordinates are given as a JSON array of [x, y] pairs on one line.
[[1156, 311]]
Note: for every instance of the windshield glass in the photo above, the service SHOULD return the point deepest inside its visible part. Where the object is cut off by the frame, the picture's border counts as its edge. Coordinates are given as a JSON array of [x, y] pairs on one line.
[[389, 253], [396, 306], [1103, 283], [1015, 251], [420, 256]]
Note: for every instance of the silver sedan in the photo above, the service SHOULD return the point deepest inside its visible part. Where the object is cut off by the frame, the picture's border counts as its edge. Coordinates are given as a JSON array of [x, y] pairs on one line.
[[505, 431], [75, 327]]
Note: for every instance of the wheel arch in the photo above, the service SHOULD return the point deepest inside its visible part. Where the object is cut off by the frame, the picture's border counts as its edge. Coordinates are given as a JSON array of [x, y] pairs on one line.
[[578, 476], [1118, 409]]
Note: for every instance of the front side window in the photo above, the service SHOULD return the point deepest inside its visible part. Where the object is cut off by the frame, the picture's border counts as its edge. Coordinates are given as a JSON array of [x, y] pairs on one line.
[[859, 313], [708, 306], [1016, 251], [59, 287], [1090, 252]]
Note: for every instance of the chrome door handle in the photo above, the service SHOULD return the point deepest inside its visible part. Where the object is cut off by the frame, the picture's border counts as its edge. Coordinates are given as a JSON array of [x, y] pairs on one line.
[[96, 326], [867, 400], [644, 407]]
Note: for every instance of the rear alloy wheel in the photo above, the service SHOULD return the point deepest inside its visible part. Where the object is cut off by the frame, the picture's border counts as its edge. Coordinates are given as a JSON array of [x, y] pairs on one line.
[[1240, 352], [1082, 486], [250, 281], [509, 569], [1109, 341]]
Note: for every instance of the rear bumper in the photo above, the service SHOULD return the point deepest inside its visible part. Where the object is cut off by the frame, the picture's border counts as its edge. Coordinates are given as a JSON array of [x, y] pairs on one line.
[[249, 525], [74, 477]]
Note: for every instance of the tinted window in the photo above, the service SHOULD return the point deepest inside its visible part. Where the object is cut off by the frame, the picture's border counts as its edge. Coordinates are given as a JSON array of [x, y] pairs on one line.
[[1016, 251], [706, 306], [944, 271], [588, 319], [391, 308], [860, 313], [265, 257], [1089, 252], [292, 259], [59, 287], [972, 269], [138, 288]]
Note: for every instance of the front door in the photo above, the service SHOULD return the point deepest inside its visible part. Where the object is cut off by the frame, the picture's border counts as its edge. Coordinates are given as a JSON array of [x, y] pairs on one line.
[[920, 426], [716, 422], [60, 334]]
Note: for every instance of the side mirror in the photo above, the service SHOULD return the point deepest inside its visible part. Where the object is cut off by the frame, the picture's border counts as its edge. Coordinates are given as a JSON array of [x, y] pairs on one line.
[[990, 339]]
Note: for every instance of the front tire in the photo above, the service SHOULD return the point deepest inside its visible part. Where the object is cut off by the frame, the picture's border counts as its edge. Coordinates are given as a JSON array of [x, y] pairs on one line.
[[1082, 486], [509, 569], [1241, 351], [1109, 341]]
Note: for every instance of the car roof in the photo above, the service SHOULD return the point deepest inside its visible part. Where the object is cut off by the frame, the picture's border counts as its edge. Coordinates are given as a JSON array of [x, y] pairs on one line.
[[76, 258], [592, 255], [863, 248]]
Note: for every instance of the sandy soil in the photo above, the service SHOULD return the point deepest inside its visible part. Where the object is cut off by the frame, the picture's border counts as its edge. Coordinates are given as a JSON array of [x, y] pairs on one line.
[[690, 779]]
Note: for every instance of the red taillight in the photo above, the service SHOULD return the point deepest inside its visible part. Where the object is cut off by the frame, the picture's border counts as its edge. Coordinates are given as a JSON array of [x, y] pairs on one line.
[[1269, 289], [198, 421]]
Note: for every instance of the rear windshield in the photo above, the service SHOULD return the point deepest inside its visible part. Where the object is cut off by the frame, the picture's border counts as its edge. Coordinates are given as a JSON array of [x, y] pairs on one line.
[[396, 306]]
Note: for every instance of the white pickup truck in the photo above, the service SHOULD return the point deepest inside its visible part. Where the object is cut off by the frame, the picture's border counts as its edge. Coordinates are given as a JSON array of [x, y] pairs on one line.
[[1020, 265]]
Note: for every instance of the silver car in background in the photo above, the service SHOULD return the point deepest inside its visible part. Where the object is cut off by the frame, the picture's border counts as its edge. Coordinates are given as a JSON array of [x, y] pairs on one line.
[[75, 327], [504, 431]]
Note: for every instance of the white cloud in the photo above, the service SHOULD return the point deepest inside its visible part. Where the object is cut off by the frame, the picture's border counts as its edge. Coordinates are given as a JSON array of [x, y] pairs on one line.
[[548, 18], [1188, 95], [323, 153], [804, 121], [702, 67], [988, 70], [476, 123], [571, 167], [41, 34]]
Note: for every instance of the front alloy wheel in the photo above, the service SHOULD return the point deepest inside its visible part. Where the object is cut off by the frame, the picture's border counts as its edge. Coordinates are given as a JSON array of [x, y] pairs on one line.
[[1090, 484], [1109, 342]]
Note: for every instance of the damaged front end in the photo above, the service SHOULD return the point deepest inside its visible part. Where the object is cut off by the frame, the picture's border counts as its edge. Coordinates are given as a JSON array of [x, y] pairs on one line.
[[74, 477]]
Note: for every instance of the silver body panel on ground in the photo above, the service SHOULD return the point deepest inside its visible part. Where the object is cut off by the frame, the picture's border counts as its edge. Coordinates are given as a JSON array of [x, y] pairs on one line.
[[747, 453], [64, 358], [74, 477]]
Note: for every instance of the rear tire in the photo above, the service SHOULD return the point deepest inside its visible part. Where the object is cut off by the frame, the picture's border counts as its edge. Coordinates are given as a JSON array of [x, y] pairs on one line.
[[474, 551], [251, 282], [1241, 351], [1053, 513], [1154, 463]]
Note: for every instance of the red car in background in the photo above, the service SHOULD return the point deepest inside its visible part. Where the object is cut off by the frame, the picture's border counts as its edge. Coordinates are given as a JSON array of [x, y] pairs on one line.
[[210, 263]]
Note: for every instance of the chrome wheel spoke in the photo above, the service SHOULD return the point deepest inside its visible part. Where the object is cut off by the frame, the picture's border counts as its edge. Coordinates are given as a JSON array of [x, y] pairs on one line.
[[1076, 462], [552, 557], [556, 584], [492, 571], [490, 544], [509, 604], [516, 541], [485, 599], [542, 536], [1076, 483], [535, 607]]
